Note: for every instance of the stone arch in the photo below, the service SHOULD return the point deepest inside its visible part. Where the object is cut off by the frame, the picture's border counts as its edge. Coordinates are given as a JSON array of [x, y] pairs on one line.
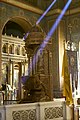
[[23, 22]]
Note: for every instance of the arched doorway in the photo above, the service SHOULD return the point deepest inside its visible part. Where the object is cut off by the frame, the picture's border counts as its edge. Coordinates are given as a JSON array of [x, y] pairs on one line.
[[14, 61]]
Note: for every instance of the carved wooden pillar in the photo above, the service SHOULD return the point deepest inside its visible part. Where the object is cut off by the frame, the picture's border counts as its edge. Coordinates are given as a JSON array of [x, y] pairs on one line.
[[34, 65], [50, 74], [29, 65], [40, 63], [31, 62], [26, 67]]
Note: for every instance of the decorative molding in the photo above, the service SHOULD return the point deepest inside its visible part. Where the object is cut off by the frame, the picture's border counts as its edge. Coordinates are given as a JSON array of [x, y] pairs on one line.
[[23, 6], [16, 42], [53, 112], [37, 10], [24, 115], [54, 11], [58, 11], [73, 11]]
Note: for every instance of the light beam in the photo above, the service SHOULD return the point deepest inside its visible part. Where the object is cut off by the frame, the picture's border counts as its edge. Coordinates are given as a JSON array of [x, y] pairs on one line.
[[45, 12]]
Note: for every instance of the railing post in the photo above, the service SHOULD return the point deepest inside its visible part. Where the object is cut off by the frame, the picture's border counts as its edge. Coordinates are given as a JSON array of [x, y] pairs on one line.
[[76, 113]]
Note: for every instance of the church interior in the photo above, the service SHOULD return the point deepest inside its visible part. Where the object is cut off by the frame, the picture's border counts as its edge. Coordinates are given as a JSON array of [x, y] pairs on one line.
[[34, 35]]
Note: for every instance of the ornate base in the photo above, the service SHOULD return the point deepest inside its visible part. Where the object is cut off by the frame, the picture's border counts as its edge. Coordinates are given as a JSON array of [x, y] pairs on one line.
[[36, 89]]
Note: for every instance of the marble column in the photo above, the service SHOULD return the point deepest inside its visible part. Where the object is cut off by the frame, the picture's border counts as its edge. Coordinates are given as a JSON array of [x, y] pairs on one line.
[[10, 73]]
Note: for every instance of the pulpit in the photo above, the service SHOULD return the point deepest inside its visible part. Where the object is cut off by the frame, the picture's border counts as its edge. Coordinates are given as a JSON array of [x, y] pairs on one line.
[[37, 85]]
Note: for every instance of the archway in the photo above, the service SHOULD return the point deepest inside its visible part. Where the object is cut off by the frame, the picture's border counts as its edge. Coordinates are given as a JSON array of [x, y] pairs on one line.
[[12, 34]]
